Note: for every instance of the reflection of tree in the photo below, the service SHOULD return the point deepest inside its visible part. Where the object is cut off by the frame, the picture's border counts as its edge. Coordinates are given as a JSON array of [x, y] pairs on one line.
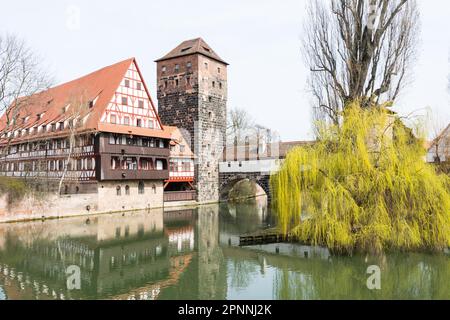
[[416, 276], [241, 272]]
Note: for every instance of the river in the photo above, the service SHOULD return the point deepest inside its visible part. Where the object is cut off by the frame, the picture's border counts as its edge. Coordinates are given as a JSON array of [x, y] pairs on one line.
[[195, 254]]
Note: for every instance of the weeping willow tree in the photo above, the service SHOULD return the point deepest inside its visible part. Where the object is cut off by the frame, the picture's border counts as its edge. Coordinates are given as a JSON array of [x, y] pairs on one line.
[[364, 186]]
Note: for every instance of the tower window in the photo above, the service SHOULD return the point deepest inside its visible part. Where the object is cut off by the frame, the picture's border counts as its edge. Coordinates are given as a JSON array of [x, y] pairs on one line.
[[141, 187], [213, 84], [220, 85], [206, 65]]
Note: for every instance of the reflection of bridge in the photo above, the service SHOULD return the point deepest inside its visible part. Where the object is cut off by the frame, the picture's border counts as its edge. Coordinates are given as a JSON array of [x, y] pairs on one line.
[[253, 163]]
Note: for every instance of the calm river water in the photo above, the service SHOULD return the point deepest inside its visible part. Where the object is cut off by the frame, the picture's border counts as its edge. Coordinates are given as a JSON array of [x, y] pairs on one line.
[[194, 254]]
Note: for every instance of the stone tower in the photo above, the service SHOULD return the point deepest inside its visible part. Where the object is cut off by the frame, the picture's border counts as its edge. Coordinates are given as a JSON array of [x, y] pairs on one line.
[[192, 95]]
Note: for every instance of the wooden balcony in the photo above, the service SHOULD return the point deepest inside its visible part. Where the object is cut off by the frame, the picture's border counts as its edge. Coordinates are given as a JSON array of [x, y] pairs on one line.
[[171, 196], [134, 174]]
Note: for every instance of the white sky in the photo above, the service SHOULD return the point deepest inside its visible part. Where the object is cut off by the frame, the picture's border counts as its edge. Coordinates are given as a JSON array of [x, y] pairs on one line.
[[260, 39]]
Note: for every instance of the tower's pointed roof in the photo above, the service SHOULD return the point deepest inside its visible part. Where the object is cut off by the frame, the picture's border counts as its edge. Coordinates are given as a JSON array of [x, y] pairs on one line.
[[192, 46]]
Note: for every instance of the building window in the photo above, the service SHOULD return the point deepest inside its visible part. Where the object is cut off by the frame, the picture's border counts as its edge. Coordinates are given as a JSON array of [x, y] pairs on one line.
[[127, 83], [182, 147], [113, 119], [163, 69], [173, 166], [154, 189], [127, 190], [124, 101], [165, 84], [220, 85], [138, 86], [115, 163], [138, 122], [177, 67], [141, 187], [159, 165], [118, 191], [189, 65], [213, 84], [161, 143], [206, 65], [150, 124], [218, 69], [146, 164], [126, 121], [176, 83], [141, 104]]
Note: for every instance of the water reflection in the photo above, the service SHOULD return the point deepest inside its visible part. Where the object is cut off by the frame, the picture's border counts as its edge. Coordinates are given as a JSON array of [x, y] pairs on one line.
[[194, 254]]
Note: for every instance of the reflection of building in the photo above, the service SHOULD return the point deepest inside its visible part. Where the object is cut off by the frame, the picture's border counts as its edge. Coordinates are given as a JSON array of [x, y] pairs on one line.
[[116, 254]]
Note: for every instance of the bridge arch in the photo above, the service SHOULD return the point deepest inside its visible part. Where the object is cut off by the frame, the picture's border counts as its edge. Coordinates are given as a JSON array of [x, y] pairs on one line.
[[227, 181]]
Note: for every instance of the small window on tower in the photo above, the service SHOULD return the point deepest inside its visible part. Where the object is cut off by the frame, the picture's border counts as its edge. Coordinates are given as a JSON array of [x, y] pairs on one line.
[[213, 84], [127, 83], [220, 85], [206, 65], [125, 101]]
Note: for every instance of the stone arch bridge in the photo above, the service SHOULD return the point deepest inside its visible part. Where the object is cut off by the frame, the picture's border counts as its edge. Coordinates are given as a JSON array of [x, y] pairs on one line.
[[254, 165]]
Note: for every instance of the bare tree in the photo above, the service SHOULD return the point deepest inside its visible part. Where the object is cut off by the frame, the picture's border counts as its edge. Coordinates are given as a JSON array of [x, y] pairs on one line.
[[239, 124], [358, 50], [75, 110], [21, 76]]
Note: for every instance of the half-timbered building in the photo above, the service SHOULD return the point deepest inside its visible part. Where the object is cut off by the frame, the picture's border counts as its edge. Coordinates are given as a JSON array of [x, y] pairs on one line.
[[97, 134]]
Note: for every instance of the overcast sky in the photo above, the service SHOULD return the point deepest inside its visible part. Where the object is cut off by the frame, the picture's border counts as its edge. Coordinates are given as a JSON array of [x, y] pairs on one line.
[[260, 40]]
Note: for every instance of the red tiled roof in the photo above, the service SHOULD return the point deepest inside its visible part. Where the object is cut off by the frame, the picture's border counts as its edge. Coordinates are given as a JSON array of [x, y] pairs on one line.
[[98, 86]]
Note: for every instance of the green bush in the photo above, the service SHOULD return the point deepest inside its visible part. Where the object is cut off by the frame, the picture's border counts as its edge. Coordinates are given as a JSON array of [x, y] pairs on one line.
[[15, 189]]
